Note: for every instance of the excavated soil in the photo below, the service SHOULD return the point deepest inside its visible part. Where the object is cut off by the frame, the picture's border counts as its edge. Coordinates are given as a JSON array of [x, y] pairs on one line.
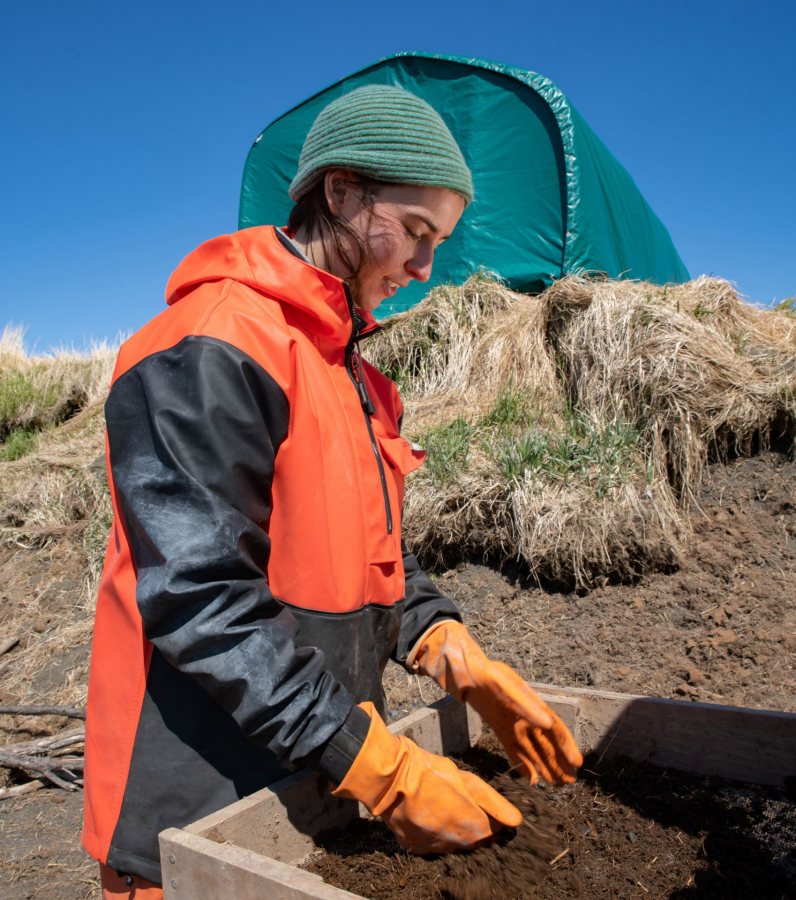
[[624, 830], [721, 628]]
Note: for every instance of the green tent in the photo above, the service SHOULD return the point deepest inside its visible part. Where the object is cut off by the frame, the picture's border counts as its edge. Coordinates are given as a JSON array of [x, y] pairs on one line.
[[550, 198]]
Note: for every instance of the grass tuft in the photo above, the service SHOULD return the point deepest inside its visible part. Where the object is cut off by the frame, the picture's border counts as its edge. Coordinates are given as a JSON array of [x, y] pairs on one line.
[[18, 443], [39, 393], [447, 448], [786, 306]]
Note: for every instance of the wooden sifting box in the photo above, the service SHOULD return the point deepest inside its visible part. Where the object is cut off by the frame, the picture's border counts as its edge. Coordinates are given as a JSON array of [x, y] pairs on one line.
[[250, 850]]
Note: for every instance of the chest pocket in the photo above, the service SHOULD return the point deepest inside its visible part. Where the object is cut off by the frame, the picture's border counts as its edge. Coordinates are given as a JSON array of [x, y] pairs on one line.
[[400, 457]]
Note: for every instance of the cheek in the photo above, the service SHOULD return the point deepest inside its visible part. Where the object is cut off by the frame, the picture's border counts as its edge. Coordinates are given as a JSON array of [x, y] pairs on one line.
[[384, 251]]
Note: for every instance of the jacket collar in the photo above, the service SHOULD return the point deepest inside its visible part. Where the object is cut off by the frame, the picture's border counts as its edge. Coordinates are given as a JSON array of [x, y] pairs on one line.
[[256, 257]]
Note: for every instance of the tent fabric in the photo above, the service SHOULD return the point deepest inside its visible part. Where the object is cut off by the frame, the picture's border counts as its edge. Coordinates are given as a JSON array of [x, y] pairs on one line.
[[550, 199]]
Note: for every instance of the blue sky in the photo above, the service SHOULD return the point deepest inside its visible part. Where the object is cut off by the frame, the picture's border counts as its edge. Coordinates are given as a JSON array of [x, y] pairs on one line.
[[124, 127]]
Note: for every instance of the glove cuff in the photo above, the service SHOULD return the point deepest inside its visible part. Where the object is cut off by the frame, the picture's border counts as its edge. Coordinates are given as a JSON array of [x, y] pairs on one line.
[[423, 642], [375, 764], [336, 757]]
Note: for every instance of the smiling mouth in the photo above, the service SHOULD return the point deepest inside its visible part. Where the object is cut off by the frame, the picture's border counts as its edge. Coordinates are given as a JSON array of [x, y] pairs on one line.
[[391, 287]]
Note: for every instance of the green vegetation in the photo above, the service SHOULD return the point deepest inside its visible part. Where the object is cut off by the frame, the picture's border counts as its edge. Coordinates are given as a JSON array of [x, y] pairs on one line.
[[518, 455], [512, 407], [18, 443], [606, 457], [700, 311], [39, 393], [787, 306], [514, 438], [25, 396], [447, 448], [29, 402]]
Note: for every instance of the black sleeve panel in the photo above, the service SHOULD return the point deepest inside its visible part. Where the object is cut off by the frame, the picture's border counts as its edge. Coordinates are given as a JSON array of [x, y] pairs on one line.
[[193, 432], [424, 606]]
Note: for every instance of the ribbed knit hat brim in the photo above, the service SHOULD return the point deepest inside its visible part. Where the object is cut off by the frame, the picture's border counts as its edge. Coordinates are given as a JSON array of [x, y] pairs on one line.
[[388, 134]]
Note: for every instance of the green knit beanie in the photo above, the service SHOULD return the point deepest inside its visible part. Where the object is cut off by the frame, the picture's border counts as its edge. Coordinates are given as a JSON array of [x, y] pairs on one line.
[[388, 134]]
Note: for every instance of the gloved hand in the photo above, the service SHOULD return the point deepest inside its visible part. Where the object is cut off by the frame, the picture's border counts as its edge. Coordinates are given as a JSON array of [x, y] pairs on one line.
[[533, 736], [430, 804]]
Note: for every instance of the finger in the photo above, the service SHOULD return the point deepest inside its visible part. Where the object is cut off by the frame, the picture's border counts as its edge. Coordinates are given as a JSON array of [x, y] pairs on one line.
[[565, 744], [537, 753], [525, 767], [513, 734], [552, 751], [521, 698], [441, 817], [560, 753], [491, 802], [560, 771]]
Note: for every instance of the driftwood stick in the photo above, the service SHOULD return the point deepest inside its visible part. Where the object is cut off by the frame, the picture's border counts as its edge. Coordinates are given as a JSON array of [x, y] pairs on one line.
[[44, 766], [19, 789], [71, 712], [50, 744], [66, 749], [43, 763], [60, 741], [60, 782], [47, 756]]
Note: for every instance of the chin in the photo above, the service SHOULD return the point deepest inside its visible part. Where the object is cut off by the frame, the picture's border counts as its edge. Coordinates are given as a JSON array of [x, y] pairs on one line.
[[369, 303]]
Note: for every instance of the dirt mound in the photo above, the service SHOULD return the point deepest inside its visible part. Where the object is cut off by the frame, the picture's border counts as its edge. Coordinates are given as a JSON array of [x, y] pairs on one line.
[[512, 864]]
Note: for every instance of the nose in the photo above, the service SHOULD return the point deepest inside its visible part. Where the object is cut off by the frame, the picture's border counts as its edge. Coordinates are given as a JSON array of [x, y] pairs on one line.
[[419, 265]]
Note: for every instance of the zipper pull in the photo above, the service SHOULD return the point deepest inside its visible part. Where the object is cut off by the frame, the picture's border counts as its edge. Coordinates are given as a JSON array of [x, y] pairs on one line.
[[364, 399]]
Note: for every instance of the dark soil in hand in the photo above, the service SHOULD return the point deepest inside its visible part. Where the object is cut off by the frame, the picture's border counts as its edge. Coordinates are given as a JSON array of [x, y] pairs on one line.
[[623, 830]]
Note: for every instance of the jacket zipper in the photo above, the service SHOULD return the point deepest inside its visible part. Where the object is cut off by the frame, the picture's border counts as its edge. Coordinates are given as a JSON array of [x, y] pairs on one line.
[[354, 369]]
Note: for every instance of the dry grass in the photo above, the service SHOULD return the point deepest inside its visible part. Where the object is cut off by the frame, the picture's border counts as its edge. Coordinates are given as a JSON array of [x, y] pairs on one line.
[[571, 430], [695, 368], [54, 518], [53, 530], [39, 392]]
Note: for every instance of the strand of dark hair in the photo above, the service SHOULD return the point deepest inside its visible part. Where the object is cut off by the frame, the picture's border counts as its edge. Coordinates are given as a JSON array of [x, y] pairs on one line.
[[312, 213]]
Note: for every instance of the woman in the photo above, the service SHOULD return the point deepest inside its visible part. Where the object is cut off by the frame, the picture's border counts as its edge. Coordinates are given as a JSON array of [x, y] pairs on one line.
[[255, 583]]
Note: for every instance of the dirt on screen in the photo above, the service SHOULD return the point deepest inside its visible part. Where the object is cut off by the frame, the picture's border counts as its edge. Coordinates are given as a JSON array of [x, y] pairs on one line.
[[624, 830]]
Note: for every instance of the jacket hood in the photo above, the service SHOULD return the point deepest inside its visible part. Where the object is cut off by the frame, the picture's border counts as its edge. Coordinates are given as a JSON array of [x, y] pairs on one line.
[[255, 257]]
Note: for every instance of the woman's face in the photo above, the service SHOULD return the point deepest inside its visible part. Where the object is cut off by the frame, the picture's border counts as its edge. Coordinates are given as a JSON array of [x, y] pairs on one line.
[[402, 225]]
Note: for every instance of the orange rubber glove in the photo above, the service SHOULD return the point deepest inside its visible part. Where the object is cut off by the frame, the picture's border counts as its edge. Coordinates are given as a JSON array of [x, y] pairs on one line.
[[430, 804], [533, 736]]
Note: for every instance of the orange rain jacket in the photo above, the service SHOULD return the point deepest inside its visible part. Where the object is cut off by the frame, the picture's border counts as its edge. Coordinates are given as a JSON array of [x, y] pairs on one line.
[[255, 583]]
